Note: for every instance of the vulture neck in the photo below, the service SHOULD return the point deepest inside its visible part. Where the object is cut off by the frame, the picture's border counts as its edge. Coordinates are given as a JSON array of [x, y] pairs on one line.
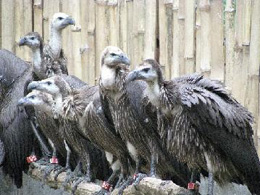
[[37, 60], [108, 77], [55, 42], [57, 106], [152, 91]]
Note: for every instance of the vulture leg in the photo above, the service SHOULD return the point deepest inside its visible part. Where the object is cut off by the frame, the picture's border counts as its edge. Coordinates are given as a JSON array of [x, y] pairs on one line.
[[53, 161], [67, 167], [44, 147], [210, 184], [153, 163]]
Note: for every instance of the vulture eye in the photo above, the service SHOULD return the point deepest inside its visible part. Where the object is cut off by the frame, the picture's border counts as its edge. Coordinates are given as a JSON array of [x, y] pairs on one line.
[[113, 54], [48, 83], [32, 97], [146, 70], [60, 18], [32, 38]]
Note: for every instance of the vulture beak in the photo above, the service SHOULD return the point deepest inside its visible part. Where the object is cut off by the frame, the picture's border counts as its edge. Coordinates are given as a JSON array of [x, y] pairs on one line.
[[132, 76], [22, 101], [69, 21], [22, 41], [33, 85], [125, 60]]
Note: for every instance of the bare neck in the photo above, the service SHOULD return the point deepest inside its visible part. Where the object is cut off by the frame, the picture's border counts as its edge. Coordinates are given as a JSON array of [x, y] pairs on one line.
[[37, 60], [57, 106], [55, 41], [108, 77], [152, 91]]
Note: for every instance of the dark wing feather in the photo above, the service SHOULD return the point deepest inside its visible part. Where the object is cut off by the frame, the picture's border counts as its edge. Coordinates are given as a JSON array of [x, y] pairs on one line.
[[224, 122], [16, 130]]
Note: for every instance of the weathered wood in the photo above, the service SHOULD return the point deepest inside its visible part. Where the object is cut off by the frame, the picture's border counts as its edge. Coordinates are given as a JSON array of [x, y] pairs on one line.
[[38, 16], [175, 70], [229, 42], [205, 61], [181, 21], [8, 27], [217, 40], [36, 172], [253, 93], [198, 38], [189, 39]]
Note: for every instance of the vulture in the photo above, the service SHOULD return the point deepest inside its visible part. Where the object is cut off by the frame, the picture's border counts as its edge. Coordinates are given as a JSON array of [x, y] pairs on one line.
[[203, 125], [135, 123], [83, 106], [49, 59], [69, 129], [42, 104], [16, 134]]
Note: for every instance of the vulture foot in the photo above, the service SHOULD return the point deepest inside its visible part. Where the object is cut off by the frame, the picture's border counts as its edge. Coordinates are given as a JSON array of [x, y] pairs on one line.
[[72, 176], [78, 181], [102, 192], [121, 180], [128, 182], [210, 184], [49, 169], [138, 177], [59, 171]]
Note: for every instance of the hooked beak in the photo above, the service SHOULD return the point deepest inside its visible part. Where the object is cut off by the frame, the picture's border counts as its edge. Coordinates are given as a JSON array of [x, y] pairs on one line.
[[132, 76], [69, 21], [22, 41], [125, 60], [22, 101], [33, 85]]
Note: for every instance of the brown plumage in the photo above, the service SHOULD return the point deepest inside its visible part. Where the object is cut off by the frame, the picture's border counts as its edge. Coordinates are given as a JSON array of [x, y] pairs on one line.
[[131, 120], [203, 125], [69, 128], [15, 130]]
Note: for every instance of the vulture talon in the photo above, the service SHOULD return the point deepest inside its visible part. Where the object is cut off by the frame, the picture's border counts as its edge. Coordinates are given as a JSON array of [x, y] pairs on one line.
[[138, 178]]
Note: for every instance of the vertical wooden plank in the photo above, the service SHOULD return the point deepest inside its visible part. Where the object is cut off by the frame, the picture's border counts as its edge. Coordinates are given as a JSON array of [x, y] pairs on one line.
[[217, 39], [175, 70], [1, 21], [74, 31], [150, 29], [84, 47], [130, 32], [181, 21], [122, 17], [38, 16], [113, 24], [91, 42], [27, 25], [8, 29], [67, 40], [189, 39], [247, 23], [229, 42], [19, 31], [239, 79], [198, 38], [165, 36], [252, 100], [102, 33], [205, 61]]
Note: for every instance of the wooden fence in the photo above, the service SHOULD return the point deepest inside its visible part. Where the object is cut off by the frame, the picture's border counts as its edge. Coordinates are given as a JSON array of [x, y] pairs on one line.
[[219, 38]]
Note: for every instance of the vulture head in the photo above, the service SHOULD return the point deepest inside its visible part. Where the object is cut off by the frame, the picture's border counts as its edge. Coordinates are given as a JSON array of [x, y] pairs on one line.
[[55, 86], [37, 99], [113, 57], [32, 40], [61, 20], [149, 71]]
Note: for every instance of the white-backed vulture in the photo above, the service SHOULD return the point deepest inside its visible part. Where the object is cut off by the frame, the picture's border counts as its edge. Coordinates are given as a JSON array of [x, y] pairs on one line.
[[49, 59], [83, 106], [70, 130], [15, 129], [131, 121], [203, 125]]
